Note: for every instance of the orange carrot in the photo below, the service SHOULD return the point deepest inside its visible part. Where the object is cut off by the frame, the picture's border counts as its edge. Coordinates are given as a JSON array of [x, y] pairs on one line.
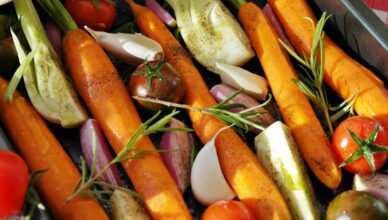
[[240, 166], [41, 150], [293, 104], [343, 74], [106, 96]]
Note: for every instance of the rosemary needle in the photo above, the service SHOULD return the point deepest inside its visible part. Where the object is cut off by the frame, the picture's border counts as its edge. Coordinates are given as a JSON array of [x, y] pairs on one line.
[[129, 152], [311, 84], [241, 120]]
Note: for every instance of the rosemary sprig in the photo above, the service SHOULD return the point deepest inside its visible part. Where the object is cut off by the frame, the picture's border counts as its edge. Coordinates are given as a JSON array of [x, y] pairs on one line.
[[32, 197], [345, 108], [311, 84], [241, 120], [129, 152]]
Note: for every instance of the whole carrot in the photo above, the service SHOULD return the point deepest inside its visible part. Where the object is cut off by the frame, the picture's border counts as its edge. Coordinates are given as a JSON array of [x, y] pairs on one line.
[[41, 150], [241, 167], [343, 74], [106, 96], [293, 104]]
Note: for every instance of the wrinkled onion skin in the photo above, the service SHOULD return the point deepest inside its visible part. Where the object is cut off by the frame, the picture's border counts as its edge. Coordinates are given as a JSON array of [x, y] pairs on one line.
[[103, 155], [178, 160]]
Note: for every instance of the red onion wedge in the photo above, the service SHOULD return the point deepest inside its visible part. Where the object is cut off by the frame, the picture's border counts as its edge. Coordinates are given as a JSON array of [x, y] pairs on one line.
[[178, 160], [376, 185], [161, 12], [54, 35], [90, 135], [222, 91], [276, 24]]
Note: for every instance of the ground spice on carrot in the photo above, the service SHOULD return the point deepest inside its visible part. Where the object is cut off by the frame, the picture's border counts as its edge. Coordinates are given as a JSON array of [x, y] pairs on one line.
[[343, 74], [293, 104], [41, 150], [106, 96], [248, 179]]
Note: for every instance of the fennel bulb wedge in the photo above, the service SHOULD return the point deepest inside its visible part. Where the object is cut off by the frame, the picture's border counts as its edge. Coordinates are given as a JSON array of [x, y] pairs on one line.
[[279, 155], [211, 33], [47, 85]]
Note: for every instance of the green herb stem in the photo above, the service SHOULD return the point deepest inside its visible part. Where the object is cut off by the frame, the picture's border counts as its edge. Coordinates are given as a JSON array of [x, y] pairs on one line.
[[241, 120], [85, 186], [237, 3], [325, 109], [59, 14], [30, 23], [311, 84], [127, 153]]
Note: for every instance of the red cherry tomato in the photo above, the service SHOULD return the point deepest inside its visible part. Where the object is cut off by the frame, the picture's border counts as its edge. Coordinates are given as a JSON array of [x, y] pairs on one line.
[[84, 12], [344, 145], [156, 79], [13, 183], [227, 210]]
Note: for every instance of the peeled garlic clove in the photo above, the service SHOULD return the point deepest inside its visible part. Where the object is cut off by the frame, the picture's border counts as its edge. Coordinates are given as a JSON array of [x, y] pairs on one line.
[[207, 180], [253, 85], [133, 49]]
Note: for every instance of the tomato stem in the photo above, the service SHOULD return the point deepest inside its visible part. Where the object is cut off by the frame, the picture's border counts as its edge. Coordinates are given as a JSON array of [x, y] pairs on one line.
[[151, 72], [367, 148]]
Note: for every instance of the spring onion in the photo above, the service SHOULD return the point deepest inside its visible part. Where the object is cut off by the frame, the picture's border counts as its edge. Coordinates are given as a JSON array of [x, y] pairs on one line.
[[211, 33]]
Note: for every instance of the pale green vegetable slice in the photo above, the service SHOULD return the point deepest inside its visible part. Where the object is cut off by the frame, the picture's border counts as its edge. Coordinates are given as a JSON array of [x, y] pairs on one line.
[[211, 33], [46, 82], [278, 154]]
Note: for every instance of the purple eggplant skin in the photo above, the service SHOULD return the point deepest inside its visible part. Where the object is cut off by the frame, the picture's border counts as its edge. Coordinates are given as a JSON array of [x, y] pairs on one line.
[[103, 155], [222, 91], [178, 160], [357, 205]]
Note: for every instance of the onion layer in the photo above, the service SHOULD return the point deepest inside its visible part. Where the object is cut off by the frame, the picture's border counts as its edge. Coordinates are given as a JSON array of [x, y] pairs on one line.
[[178, 160], [92, 135]]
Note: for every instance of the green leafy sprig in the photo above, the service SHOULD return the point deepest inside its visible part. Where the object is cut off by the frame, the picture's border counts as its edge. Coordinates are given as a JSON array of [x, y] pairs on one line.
[[32, 197], [367, 148], [311, 83], [242, 120], [129, 152]]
